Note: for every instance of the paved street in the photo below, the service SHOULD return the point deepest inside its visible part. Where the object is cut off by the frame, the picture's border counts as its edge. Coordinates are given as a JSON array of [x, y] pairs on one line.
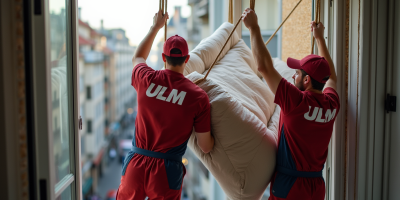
[[111, 179], [112, 174]]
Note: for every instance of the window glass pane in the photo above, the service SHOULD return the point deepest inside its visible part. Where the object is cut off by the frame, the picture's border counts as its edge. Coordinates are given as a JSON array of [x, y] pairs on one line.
[[267, 13], [59, 87], [66, 195]]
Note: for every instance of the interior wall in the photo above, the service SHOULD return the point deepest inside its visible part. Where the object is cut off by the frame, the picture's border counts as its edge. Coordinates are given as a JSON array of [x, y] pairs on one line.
[[296, 34], [3, 155], [14, 182]]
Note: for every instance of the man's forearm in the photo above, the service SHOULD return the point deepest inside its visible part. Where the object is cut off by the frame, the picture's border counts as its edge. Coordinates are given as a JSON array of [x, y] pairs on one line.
[[144, 47], [260, 52], [263, 60], [323, 51]]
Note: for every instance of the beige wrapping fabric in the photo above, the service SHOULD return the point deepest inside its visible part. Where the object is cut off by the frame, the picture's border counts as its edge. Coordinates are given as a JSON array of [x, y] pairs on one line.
[[209, 48], [195, 64], [244, 117], [243, 158]]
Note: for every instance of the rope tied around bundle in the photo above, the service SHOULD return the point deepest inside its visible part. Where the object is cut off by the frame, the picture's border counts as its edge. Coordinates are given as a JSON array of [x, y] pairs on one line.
[[252, 5]]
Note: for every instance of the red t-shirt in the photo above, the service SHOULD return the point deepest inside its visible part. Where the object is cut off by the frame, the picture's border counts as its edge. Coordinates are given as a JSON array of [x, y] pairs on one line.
[[169, 107], [308, 120]]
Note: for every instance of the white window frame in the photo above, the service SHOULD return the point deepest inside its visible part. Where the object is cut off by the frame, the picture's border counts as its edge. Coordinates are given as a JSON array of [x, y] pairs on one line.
[[45, 170]]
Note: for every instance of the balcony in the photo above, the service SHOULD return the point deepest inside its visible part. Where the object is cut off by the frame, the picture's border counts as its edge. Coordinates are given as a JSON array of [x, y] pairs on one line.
[[93, 56], [202, 9]]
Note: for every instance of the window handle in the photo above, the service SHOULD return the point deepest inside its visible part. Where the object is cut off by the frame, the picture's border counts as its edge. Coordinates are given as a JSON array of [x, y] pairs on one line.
[[80, 123]]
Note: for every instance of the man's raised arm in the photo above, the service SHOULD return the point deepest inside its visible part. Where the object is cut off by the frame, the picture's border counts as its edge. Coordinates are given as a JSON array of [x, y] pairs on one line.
[[260, 52], [144, 47], [318, 31]]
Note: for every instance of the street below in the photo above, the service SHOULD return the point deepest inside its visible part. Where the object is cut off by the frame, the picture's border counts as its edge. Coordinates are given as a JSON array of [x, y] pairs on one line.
[[110, 179]]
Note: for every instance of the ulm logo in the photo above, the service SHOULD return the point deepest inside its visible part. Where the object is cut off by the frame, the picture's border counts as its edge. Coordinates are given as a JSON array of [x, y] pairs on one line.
[[317, 115], [159, 91]]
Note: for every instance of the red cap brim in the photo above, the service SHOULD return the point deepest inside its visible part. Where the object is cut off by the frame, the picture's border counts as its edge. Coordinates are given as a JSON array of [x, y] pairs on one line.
[[293, 63]]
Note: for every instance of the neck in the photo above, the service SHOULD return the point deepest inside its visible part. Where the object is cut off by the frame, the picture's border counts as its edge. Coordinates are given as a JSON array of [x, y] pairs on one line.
[[178, 69], [313, 90]]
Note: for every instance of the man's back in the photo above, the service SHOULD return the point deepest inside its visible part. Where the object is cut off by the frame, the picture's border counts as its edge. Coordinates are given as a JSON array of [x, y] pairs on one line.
[[306, 125], [307, 119], [169, 106]]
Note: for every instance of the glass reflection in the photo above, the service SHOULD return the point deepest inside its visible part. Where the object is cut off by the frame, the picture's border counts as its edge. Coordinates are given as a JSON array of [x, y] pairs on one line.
[[59, 87]]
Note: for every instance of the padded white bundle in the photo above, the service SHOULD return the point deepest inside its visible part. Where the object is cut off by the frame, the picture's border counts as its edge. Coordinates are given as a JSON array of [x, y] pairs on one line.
[[244, 117]]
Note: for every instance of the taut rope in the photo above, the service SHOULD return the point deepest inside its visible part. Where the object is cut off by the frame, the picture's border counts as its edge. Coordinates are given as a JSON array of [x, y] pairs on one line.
[[230, 16], [317, 19], [164, 10], [252, 5], [272, 36]]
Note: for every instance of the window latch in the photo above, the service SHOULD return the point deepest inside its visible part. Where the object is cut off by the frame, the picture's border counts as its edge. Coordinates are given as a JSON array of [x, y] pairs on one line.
[[80, 123], [390, 103]]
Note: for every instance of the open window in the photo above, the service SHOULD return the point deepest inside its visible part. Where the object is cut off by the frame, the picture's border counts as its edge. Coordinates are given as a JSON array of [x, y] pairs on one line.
[[58, 107], [55, 89]]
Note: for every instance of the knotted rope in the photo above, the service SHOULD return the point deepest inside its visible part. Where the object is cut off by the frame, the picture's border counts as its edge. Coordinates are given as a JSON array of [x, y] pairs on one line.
[[317, 20], [252, 5]]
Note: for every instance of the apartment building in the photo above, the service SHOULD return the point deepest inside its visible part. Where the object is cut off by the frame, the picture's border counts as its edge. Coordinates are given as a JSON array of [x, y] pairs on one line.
[[124, 94], [92, 104]]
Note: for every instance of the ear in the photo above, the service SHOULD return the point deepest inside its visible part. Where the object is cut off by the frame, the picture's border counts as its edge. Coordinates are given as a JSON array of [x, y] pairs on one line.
[[187, 58], [307, 80], [163, 57]]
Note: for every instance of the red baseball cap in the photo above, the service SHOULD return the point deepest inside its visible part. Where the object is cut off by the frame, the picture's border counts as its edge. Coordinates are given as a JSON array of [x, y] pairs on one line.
[[176, 42], [315, 66]]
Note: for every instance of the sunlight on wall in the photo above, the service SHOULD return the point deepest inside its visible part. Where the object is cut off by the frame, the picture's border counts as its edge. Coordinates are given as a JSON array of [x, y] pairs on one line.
[[296, 34]]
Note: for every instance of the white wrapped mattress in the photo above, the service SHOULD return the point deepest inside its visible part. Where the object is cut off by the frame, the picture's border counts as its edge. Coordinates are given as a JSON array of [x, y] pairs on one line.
[[244, 118]]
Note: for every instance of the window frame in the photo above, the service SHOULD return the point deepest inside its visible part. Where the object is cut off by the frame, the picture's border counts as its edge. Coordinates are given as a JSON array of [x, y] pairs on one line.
[[44, 160]]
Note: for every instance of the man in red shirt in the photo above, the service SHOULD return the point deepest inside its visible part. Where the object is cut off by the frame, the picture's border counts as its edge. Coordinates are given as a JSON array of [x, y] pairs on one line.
[[307, 116], [169, 108]]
